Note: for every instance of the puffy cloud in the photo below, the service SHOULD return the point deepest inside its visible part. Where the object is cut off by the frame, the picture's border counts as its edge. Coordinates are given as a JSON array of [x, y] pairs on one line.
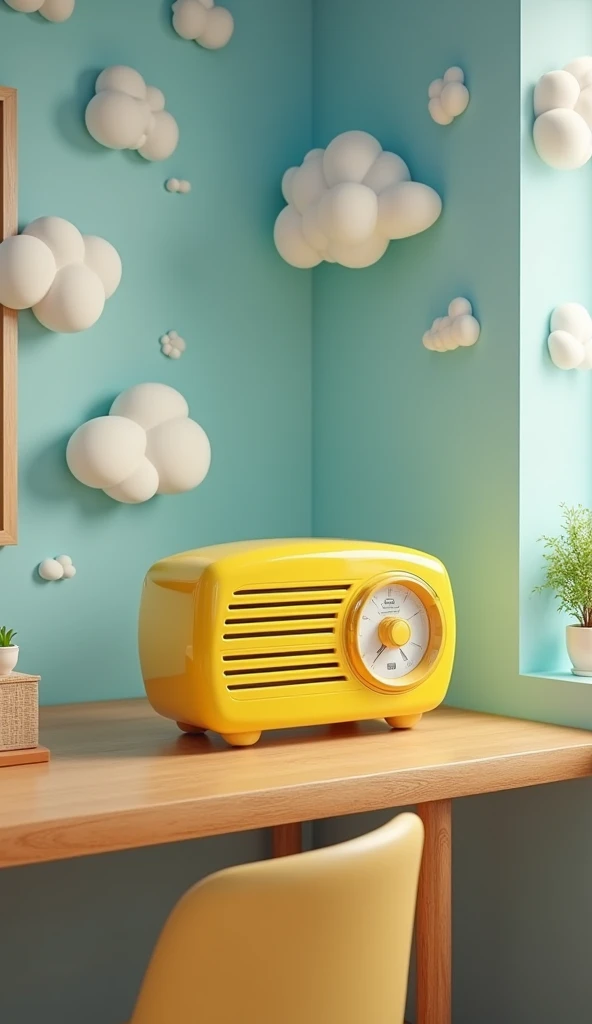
[[126, 113], [204, 22], [563, 107], [448, 96], [176, 185], [346, 202], [570, 340], [147, 445], [459, 329], [60, 568], [52, 10], [63, 276], [172, 345]]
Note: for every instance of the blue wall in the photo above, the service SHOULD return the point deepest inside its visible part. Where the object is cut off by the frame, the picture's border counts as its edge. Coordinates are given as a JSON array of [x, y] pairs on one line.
[[411, 446], [203, 264], [424, 449], [555, 406], [435, 463]]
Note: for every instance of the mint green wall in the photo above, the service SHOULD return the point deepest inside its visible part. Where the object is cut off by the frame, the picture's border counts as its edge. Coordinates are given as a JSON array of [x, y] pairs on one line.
[[423, 448], [556, 417], [434, 465], [415, 447], [203, 264]]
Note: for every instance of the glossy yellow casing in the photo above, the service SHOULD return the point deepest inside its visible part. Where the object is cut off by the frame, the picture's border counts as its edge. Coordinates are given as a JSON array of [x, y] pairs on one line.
[[244, 637]]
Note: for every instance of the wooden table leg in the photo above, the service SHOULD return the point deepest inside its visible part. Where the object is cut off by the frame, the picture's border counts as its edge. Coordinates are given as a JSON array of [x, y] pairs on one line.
[[434, 916], [286, 839]]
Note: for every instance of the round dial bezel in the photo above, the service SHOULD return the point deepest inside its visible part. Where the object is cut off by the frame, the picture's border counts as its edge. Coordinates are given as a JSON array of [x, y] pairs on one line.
[[436, 622]]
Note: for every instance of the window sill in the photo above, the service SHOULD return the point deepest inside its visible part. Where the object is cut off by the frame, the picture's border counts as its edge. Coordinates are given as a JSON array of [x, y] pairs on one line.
[[562, 677]]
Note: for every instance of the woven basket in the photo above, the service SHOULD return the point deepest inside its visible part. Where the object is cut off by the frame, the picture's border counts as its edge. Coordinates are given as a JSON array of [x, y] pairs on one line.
[[19, 711]]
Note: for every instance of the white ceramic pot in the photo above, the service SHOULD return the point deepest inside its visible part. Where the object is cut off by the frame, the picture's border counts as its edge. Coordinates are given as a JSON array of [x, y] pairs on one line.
[[8, 659], [579, 648]]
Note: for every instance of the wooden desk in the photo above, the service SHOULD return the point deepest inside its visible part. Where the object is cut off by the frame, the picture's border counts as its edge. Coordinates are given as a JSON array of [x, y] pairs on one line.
[[121, 777]]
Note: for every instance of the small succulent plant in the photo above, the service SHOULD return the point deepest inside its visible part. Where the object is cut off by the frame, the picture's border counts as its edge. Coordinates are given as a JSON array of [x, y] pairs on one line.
[[6, 636]]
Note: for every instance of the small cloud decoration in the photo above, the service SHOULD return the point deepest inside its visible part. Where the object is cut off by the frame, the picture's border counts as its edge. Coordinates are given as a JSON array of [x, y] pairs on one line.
[[204, 22], [147, 445], [562, 130], [346, 202], [52, 10], [448, 96], [177, 185], [460, 329], [53, 569], [172, 345], [63, 276], [125, 113], [570, 340]]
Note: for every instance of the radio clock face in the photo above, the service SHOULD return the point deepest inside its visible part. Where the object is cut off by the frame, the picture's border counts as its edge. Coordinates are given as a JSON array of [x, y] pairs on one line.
[[395, 633]]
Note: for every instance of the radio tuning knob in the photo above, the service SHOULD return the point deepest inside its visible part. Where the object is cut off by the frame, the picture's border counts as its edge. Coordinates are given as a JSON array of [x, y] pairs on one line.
[[394, 632]]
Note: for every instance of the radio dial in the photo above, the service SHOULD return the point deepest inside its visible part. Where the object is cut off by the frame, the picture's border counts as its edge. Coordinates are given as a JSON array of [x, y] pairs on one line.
[[394, 632]]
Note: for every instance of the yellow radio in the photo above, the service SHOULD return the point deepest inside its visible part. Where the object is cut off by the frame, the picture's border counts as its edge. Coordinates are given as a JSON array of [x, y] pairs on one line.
[[258, 635]]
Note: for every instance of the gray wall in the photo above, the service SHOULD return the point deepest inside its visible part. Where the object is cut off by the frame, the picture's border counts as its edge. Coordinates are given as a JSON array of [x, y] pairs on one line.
[[77, 934], [522, 901]]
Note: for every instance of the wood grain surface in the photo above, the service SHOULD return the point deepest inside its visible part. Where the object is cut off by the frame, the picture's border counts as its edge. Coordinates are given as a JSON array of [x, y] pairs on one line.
[[26, 755], [122, 777], [434, 916], [286, 839]]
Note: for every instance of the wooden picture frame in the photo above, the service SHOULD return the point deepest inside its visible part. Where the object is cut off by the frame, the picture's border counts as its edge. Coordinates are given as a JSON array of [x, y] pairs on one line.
[[8, 323]]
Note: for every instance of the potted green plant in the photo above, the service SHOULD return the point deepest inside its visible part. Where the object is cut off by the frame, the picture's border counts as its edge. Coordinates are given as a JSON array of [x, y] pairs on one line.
[[9, 652], [568, 572]]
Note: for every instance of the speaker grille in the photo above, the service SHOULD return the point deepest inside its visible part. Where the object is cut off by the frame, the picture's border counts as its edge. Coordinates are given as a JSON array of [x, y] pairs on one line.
[[274, 616]]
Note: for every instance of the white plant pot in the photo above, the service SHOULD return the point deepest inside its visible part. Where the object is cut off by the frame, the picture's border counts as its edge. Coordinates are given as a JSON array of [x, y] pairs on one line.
[[579, 648], [8, 659]]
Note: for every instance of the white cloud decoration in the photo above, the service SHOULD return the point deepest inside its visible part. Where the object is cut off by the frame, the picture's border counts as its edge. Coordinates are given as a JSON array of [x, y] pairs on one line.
[[125, 113], [563, 107], [460, 329], [147, 445], [448, 96], [52, 10], [172, 345], [177, 185], [346, 202], [570, 340], [63, 276], [204, 22], [53, 569]]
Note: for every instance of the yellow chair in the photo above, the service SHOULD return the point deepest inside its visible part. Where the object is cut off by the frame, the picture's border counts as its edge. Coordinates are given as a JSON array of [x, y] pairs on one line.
[[317, 938]]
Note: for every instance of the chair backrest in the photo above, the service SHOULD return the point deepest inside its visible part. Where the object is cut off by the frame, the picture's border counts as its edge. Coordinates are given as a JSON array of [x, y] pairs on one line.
[[318, 938]]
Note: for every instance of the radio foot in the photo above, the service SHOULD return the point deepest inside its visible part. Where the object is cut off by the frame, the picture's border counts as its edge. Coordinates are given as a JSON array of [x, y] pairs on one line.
[[241, 739], [403, 721], [195, 730]]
